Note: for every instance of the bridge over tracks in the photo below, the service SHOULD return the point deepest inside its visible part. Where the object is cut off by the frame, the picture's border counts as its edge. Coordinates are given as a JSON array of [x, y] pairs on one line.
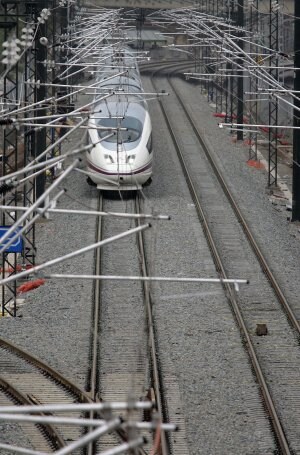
[[154, 4]]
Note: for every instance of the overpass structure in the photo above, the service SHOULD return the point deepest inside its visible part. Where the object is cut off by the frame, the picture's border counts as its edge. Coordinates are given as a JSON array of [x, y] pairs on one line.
[[153, 4]]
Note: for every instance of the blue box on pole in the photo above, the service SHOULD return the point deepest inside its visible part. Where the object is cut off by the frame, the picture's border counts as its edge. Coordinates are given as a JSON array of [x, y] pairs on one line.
[[17, 245]]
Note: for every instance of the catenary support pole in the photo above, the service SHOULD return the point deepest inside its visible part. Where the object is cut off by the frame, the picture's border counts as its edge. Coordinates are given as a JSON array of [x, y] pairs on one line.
[[10, 156], [41, 75], [240, 81], [296, 146]]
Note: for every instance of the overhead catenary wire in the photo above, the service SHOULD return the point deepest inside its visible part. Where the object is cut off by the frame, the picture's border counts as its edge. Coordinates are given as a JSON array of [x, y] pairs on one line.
[[9, 234], [71, 255], [92, 213]]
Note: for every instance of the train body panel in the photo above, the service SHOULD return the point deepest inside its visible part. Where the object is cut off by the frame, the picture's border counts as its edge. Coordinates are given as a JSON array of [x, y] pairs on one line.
[[120, 159]]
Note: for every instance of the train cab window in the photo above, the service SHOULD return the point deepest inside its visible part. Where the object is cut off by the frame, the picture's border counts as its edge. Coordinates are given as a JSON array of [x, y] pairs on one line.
[[133, 133]]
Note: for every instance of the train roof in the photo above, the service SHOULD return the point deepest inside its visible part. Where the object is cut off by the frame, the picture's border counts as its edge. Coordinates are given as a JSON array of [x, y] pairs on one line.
[[116, 106], [127, 88], [124, 83]]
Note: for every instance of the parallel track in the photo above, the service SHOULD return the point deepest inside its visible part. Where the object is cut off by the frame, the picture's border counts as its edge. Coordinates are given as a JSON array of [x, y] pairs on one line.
[[275, 419], [27, 380], [111, 377], [263, 262]]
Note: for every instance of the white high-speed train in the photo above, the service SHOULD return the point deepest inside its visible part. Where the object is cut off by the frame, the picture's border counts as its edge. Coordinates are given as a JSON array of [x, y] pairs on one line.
[[122, 160]]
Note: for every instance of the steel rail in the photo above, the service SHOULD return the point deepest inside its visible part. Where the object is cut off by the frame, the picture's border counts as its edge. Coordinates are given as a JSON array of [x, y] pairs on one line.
[[45, 368], [94, 370], [47, 430], [96, 309], [165, 449], [93, 373], [264, 265], [274, 418], [45, 371]]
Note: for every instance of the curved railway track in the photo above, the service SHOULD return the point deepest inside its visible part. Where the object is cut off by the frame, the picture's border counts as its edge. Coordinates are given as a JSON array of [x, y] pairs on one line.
[[40, 437], [246, 318], [26, 380]]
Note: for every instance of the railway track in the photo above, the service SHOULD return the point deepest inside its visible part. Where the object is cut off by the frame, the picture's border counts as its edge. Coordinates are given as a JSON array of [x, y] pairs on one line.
[[25, 380], [118, 369], [150, 68], [235, 251], [124, 353]]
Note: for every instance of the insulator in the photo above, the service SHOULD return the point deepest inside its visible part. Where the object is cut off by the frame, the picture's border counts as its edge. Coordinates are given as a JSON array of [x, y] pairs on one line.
[[11, 51], [5, 188], [7, 121]]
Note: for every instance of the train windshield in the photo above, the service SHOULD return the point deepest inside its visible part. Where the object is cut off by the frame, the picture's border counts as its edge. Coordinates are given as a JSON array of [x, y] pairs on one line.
[[134, 129]]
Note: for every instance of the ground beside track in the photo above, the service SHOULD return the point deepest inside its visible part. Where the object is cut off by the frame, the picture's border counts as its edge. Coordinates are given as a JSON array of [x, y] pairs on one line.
[[205, 369]]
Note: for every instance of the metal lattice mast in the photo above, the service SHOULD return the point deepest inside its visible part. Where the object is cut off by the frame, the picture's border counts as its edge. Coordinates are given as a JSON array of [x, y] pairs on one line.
[[296, 142], [223, 9], [70, 30], [51, 91], [10, 159], [240, 80], [65, 15], [198, 52], [206, 53], [219, 85], [209, 68], [64, 54], [212, 94], [253, 106], [220, 79], [228, 81], [273, 103], [41, 92], [22, 146], [31, 14], [233, 81]]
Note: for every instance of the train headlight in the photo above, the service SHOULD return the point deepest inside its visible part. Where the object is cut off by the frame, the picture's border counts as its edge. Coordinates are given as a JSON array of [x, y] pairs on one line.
[[149, 144], [108, 159], [130, 159]]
